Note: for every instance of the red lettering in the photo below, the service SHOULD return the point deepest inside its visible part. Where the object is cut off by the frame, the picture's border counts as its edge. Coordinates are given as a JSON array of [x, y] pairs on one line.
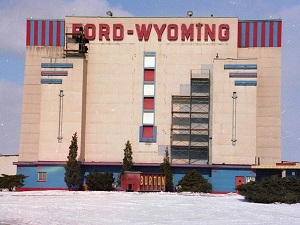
[[223, 32], [172, 32], [210, 32], [104, 31], [187, 33], [118, 32], [90, 31], [76, 28], [159, 31], [198, 26], [142, 32]]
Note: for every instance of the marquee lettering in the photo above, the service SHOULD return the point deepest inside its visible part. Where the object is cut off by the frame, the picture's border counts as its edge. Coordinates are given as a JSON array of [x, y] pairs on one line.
[[172, 32]]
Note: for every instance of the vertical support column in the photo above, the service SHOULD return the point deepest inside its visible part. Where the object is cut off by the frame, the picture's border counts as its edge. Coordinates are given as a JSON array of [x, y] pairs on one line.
[[148, 130], [233, 139], [60, 116]]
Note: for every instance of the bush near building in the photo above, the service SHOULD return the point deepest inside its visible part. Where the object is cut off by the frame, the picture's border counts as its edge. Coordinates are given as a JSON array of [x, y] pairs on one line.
[[194, 182], [72, 167], [165, 168], [10, 182], [271, 190], [97, 181]]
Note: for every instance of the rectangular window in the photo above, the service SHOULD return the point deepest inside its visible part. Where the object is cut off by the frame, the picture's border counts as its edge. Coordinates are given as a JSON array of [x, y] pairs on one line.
[[248, 179], [149, 90], [149, 103], [148, 118], [149, 62], [148, 75], [148, 132], [42, 176]]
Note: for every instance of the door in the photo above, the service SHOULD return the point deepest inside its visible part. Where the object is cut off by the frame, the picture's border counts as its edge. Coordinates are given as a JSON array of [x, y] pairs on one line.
[[239, 180]]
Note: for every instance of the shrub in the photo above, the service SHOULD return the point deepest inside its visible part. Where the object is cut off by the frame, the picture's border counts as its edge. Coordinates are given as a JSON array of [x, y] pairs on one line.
[[72, 167], [10, 182], [194, 182], [165, 168], [271, 190], [97, 181]]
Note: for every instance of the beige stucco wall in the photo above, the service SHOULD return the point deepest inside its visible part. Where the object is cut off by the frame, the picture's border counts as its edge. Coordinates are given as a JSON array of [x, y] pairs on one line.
[[103, 96], [30, 128], [243, 151], [72, 111], [115, 84], [268, 141], [6, 164]]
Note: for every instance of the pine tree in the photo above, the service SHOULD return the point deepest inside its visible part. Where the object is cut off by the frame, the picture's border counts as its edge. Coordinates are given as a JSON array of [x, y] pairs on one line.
[[127, 160], [165, 168], [194, 182], [73, 171], [97, 181], [12, 181]]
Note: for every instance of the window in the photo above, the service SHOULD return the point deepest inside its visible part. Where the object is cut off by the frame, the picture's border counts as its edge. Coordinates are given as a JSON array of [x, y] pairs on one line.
[[149, 61], [149, 90], [42, 176], [148, 103], [147, 131], [148, 75], [248, 179], [148, 118]]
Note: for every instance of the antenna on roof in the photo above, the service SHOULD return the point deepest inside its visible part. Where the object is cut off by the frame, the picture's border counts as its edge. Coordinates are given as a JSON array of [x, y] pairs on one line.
[[109, 13]]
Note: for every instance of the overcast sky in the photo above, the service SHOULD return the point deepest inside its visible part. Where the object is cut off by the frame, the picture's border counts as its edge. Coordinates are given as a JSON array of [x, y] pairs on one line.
[[12, 49]]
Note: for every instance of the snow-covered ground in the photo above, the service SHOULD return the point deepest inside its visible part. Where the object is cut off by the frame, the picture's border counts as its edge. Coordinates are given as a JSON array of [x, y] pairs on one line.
[[64, 207]]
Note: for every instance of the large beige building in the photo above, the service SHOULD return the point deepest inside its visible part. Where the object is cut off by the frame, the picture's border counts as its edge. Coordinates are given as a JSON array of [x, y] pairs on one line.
[[206, 89]]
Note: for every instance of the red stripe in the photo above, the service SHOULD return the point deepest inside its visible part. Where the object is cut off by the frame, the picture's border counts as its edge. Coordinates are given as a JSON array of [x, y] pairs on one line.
[[54, 72], [43, 189], [58, 33], [36, 29], [263, 34], [43, 32], [271, 34], [240, 34], [247, 34], [279, 30], [50, 33], [255, 34], [28, 33]]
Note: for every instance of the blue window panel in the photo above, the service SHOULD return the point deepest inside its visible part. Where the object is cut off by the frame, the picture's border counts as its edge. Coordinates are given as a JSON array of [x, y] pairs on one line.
[[245, 83], [51, 81], [240, 66], [142, 139], [57, 65]]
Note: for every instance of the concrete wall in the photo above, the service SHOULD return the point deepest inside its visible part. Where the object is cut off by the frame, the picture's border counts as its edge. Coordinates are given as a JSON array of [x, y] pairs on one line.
[[6, 164], [103, 96]]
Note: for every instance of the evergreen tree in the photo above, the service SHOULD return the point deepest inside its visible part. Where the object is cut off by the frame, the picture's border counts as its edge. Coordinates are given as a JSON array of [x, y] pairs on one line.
[[194, 182], [272, 189], [73, 171], [10, 182], [127, 160], [165, 168], [97, 181]]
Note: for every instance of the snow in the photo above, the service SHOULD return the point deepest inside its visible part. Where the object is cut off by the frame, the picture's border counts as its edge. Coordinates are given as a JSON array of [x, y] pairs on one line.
[[69, 207]]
